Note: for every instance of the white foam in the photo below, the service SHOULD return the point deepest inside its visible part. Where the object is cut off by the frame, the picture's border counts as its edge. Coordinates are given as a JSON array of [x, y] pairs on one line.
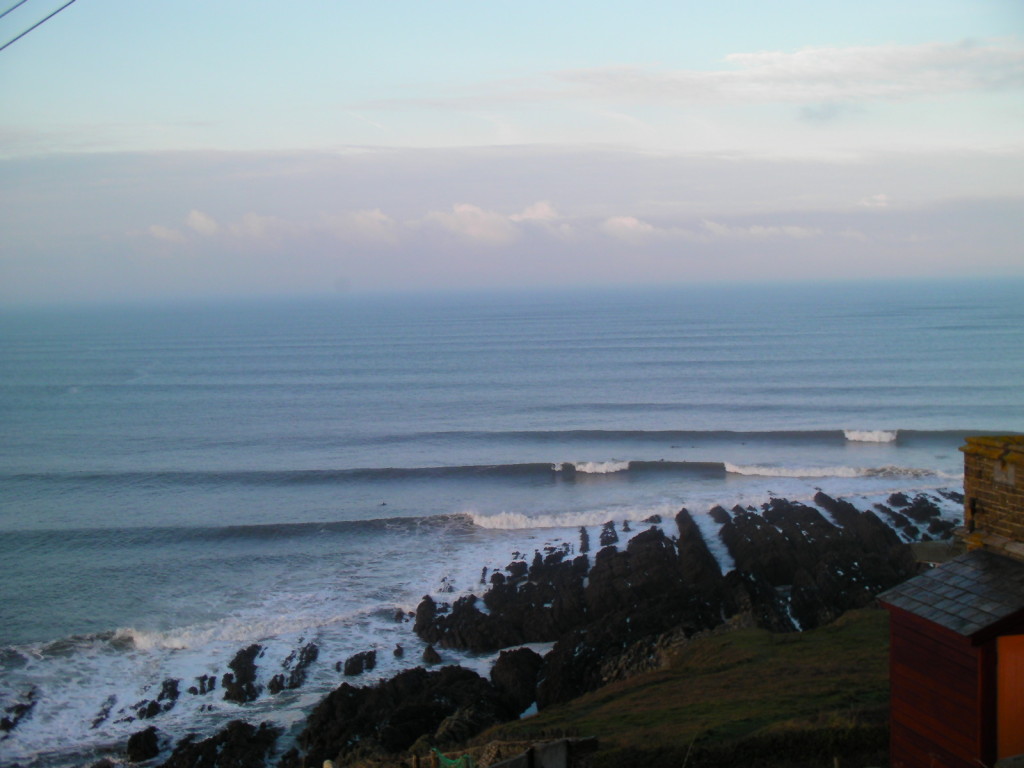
[[510, 521], [758, 470], [870, 435], [597, 467]]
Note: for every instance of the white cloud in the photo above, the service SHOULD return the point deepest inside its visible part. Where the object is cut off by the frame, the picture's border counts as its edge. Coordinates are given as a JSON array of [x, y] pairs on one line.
[[368, 226], [471, 222], [875, 201], [759, 231], [825, 75], [167, 234], [202, 223], [541, 211], [257, 227], [627, 228]]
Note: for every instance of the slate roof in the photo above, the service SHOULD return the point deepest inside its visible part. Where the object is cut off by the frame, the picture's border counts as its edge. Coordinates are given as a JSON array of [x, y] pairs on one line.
[[966, 595]]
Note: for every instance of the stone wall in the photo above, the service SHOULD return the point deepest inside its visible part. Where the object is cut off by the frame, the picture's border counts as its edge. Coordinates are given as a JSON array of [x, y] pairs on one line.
[[994, 493]]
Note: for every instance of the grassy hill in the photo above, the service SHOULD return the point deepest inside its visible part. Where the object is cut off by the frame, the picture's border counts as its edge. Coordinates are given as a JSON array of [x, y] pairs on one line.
[[744, 697]]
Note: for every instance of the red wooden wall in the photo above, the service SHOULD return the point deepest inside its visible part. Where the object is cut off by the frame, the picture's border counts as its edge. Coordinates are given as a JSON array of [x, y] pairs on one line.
[[941, 702]]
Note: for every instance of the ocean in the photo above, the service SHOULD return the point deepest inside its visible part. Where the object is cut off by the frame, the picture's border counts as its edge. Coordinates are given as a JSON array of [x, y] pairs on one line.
[[178, 481]]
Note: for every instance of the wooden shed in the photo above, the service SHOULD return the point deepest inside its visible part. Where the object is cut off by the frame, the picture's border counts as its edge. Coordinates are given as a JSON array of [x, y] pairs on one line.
[[957, 663]]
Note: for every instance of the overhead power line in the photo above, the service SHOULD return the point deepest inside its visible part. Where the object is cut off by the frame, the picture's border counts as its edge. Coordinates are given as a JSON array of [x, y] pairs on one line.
[[37, 24], [12, 8]]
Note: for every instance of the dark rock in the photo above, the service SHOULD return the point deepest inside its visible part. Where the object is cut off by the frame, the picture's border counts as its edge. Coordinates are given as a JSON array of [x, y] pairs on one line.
[[517, 569], [922, 509], [652, 520], [399, 616], [17, 712], [898, 500], [719, 515], [399, 651], [646, 589], [105, 710], [608, 534], [361, 662], [146, 709], [430, 656], [360, 723], [584, 540], [953, 496], [276, 684], [206, 683], [238, 745], [514, 675], [240, 684], [296, 663], [943, 529], [143, 745], [625, 527], [105, 762]]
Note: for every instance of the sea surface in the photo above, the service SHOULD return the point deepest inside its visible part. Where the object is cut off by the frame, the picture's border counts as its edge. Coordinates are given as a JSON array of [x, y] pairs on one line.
[[180, 481]]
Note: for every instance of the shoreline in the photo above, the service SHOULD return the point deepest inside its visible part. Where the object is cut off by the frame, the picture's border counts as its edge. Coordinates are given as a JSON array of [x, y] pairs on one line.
[[453, 630]]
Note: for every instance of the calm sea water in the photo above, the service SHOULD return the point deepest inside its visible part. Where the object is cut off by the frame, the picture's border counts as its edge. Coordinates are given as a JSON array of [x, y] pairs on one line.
[[177, 482]]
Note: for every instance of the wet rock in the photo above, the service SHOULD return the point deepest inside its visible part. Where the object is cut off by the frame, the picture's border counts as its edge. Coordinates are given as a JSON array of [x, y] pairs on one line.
[[514, 675], [104, 712], [719, 515], [399, 651], [238, 744], [922, 509], [362, 723], [361, 662], [18, 711], [296, 664], [608, 535], [143, 745], [430, 656], [240, 684], [584, 540], [517, 570], [205, 684]]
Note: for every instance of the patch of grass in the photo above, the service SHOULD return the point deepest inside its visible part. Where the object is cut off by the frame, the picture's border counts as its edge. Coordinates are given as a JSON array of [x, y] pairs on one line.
[[740, 698]]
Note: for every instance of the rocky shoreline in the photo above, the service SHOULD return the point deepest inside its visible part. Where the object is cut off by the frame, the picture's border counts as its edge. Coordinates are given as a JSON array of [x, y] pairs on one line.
[[606, 615]]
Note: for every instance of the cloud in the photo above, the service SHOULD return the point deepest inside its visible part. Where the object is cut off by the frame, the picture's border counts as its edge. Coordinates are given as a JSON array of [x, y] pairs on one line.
[[202, 223], [759, 231], [542, 211], [470, 222], [167, 234], [823, 76], [367, 226], [828, 80], [875, 201], [253, 226], [628, 228]]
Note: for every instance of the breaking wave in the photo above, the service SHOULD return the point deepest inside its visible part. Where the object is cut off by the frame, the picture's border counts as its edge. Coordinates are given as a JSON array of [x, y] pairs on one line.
[[818, 472], [871, 435]]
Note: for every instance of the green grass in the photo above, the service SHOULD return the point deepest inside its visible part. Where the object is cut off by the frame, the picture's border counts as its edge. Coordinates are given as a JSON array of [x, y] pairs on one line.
[[746, 697]]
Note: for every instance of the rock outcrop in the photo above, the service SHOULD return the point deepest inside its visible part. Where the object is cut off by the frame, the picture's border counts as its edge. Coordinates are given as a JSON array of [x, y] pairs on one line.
[[240, 684], [357, 723], [238, 744]]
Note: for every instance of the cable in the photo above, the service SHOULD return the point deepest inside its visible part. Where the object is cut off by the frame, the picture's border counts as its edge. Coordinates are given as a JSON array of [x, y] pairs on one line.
[[12, 8], [38, 23]]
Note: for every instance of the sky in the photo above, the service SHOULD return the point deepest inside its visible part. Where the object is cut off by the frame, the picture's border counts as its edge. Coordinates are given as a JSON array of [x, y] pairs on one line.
[[187, 149]]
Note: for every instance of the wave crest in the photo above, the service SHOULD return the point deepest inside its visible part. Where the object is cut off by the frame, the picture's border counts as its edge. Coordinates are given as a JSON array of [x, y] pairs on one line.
[[817, 472], [871, 435], [595, 467]]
